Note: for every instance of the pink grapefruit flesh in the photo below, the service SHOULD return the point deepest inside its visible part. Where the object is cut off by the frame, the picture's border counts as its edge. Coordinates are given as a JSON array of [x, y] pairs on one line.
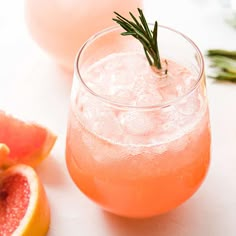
[[24, 208], [29, 143], [14, 199]]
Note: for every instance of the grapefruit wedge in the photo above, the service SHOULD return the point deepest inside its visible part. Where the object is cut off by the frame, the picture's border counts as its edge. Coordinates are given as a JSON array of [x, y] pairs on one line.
[[24, 208], [29, 143]]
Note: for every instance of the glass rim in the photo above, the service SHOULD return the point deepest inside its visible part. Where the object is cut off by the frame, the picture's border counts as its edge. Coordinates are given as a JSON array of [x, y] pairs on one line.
[[126, 106]]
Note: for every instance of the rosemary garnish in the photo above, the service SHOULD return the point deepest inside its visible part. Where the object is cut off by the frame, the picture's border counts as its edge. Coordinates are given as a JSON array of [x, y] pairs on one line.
[[140, 30]]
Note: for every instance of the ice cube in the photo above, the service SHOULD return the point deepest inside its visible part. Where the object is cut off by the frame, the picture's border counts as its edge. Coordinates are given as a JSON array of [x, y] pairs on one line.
[[137, 122], [189, 105], [125, 97], [149, 99]]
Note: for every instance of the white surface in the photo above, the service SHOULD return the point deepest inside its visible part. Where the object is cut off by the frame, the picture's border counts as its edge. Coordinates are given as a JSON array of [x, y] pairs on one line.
[[32, 87]]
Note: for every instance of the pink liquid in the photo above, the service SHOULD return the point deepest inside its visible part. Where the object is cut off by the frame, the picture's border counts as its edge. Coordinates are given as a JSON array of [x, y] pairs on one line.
[[136, 162]]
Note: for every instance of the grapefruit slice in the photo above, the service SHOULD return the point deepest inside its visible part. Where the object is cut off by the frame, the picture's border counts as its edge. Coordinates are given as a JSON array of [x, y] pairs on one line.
[[24, 208], [29, 143]]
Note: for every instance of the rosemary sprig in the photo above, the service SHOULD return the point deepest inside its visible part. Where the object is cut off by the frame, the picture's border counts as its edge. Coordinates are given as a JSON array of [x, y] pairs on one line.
[[224, 62], [139, 29]]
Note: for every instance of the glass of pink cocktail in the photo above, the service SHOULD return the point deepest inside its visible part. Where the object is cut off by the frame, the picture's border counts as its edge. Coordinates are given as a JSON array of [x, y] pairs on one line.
[[138, 143]]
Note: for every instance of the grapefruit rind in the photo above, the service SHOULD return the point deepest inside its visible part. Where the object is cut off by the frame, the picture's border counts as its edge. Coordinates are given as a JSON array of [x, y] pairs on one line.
[[37, 217]]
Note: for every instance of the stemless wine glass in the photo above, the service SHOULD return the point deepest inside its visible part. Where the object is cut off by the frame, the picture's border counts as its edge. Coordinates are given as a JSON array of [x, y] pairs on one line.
[[138, 154]]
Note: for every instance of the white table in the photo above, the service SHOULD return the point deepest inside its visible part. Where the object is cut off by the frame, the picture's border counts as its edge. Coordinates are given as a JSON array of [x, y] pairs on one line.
[[34, 88]]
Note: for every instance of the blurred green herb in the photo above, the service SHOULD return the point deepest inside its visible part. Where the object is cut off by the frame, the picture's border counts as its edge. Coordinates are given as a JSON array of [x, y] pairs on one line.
[[224, 63]]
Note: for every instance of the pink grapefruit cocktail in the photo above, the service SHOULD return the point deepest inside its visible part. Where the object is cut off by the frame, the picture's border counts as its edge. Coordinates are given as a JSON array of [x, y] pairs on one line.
[[138, 144]]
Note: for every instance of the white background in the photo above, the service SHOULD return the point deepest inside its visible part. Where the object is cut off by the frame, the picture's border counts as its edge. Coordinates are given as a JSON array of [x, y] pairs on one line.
[[34, 88]]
